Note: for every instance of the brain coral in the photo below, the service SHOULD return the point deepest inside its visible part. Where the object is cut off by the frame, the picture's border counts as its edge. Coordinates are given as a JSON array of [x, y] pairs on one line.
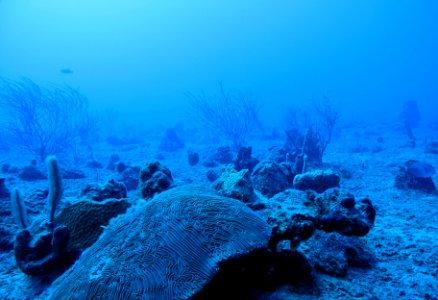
[[85, 220], [167, 248]]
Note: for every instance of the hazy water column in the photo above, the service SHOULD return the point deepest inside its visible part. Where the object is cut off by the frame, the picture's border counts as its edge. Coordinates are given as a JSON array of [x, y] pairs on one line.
[[141, 56]]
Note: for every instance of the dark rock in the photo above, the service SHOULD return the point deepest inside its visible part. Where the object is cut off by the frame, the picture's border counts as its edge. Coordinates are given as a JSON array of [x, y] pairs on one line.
[[292, 218], [4, 192], [358, 257], [222, 156], [317, 180], [348, 202], [333, 254], [245, 160], [337, 213], [257, 205], [212, 175], [110, 190], [271, 178], [416, 175], [296, 229], [154, 178], [31, 173], [192, 158], [332, 263], [236, 185], [120, 167], [171, 141]]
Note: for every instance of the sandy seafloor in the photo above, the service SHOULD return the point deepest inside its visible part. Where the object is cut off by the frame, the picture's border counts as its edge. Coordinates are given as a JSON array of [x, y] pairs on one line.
[[404, 240]]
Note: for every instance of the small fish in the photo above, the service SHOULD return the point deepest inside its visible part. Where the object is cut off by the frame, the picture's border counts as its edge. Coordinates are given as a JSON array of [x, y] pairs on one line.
[[66, 71]]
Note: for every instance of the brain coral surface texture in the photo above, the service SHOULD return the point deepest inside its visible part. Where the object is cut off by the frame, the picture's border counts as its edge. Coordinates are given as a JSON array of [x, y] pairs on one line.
[[166, 248]]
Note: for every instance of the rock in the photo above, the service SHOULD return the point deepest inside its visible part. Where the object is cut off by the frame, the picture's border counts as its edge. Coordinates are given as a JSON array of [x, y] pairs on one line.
[[171, 141], [120, 167], [340, 212], [416, 175], [222, 156], [297, 217], [192, 158], [94, 164], [271, 178], [4, 192], [292, 218], [212, 175], [154, 178], [333, 254], [31, 173], [236, 185], [110, 190], [245, 160], [317, 180]]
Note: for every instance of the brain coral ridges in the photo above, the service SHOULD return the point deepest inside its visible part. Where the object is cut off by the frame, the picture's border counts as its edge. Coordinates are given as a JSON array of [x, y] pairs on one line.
[[168, 248]]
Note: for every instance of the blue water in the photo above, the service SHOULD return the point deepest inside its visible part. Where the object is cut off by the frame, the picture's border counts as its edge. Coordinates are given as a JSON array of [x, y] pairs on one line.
[[141, 57], [346, 89]]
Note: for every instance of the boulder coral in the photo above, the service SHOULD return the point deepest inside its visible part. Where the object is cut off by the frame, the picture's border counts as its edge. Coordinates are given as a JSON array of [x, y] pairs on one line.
[[154, 178]]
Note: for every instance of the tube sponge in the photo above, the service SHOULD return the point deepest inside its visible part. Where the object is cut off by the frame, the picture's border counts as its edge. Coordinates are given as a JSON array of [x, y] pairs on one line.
[[19, 209], [55, 185]]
